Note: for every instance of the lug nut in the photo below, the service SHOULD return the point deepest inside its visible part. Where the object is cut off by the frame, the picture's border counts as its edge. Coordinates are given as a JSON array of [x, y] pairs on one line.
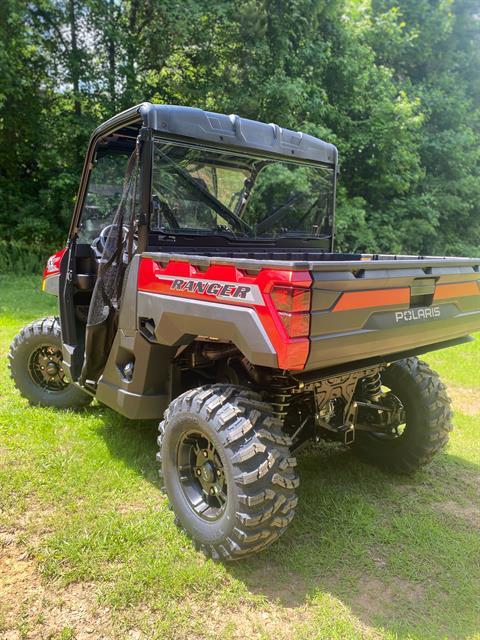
[[212, 491], [198, 472], [219, 473], [205, 454]]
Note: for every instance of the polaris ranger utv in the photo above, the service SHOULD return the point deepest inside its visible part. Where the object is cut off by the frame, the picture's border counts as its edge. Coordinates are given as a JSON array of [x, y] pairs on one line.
[[199, 283]]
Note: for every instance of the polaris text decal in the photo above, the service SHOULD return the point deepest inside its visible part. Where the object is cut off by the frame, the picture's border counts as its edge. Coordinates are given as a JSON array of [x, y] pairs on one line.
[[424, 313], [232, 291]]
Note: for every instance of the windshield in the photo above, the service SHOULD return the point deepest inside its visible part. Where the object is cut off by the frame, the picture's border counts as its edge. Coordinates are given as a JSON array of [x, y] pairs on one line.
[[197, 191]]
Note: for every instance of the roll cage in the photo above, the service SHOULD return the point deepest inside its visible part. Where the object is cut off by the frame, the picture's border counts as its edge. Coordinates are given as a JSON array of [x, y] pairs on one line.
[[141, 124]]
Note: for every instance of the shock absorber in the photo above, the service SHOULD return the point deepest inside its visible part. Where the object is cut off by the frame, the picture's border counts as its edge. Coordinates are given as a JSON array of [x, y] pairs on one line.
[[281, 393], [294, 407], [372, 386], [278, 388]]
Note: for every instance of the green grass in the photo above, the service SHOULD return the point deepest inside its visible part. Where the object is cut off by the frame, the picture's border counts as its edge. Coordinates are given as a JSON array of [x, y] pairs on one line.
[[367, 556], [459, 365]]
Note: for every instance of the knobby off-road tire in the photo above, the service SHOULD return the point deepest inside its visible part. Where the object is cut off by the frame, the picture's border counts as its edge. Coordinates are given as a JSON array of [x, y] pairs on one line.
[[427, 425], [34, 354], [246, 447]]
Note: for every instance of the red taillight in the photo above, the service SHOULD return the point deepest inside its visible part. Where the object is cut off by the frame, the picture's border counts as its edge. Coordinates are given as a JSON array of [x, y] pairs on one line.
[[293, 304], [53, 264], [291, 299], [297, 325]]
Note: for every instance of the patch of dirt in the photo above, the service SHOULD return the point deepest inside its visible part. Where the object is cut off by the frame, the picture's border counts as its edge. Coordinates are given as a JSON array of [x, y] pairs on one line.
[[270, 620], [470, 513], [465, 400], [251, 622], [127, 508], [288, 606], [376, 595], [286, 589], [30, 609]]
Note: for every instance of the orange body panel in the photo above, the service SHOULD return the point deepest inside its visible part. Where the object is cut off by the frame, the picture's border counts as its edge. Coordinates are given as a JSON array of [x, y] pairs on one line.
[[456, 290], [375, 298]]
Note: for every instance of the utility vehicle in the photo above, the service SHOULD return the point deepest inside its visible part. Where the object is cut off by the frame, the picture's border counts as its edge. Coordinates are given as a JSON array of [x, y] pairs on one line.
[[199, 283]]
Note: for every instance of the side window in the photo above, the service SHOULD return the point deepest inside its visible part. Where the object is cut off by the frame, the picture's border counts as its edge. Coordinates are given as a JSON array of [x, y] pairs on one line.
[[104, 194]]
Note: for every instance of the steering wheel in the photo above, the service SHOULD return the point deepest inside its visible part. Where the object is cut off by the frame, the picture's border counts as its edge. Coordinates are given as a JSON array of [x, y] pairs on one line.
[[102, 242]]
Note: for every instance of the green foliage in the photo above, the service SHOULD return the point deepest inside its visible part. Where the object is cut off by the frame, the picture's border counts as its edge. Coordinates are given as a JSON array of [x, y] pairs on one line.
[[23, 257], [394, 84]]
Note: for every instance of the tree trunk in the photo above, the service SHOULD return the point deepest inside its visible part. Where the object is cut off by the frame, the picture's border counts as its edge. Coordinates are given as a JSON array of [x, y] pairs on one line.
[[112, 65], [131, 49], [74, 58]]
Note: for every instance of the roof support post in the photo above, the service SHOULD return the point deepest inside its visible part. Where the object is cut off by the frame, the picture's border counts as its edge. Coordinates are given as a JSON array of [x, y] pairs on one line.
[[145, 139]]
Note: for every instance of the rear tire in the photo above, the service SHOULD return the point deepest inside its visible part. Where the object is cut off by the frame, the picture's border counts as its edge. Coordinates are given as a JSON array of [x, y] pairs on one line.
[[35, 353], [228, 472], [427, 425]]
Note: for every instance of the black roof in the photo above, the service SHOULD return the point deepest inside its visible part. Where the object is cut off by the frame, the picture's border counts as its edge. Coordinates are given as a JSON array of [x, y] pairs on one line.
[[229, 131]]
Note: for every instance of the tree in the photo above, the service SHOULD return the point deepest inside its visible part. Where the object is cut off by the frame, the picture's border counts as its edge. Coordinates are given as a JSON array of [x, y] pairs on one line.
[[394, 85]]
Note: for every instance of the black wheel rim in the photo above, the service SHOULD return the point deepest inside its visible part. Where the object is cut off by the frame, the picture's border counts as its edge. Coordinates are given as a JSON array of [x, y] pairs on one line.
[[46, 368], [202, 475]]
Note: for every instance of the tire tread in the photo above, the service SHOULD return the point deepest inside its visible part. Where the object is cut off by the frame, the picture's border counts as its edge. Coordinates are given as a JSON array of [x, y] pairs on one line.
[[48, 328], [264, 470], [432, 403]]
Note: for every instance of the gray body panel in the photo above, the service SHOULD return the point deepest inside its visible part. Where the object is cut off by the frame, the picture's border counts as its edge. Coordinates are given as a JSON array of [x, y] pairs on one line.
[[179, 320], [373, 339], [147, 393]]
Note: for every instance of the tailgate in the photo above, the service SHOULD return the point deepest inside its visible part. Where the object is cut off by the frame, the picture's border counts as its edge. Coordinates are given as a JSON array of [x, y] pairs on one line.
[[371, 309]]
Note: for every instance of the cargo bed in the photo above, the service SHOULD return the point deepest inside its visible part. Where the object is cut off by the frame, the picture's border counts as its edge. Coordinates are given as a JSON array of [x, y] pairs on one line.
[[372, 306]]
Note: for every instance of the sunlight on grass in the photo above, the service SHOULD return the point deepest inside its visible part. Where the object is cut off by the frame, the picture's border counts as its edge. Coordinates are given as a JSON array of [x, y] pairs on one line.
[[458, 365], [367, 556]]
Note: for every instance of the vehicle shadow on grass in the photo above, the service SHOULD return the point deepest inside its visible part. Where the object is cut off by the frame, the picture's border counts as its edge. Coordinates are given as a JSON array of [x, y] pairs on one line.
[[392, 550], [383, 546], [132, 441]]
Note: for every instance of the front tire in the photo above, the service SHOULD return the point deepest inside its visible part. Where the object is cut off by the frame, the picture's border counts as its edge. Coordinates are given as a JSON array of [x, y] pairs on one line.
[[35, 362], [427, 420], [227, 469]]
